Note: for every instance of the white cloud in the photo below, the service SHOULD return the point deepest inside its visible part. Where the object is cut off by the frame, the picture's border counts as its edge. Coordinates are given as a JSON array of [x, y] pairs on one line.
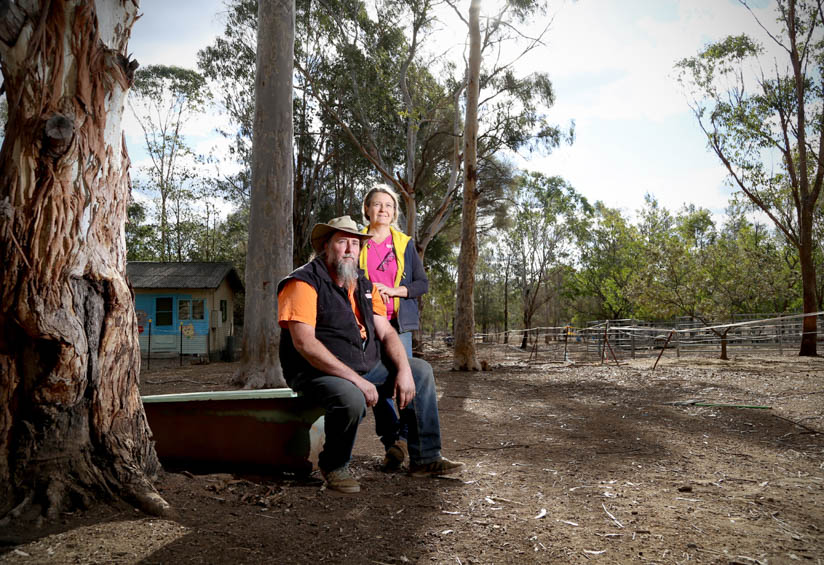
[[613, 67], [615, 60], [622, 183]]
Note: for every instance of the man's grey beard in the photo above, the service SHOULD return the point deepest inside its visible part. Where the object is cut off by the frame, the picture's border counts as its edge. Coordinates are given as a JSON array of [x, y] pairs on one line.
[[347, 273]]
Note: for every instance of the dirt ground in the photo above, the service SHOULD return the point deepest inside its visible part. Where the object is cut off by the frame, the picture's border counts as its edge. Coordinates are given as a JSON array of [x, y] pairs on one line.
[[565, 463]]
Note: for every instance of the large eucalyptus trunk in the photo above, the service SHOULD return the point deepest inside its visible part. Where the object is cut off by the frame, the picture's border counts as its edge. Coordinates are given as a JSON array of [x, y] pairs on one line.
[[72, 426], [465, 358], [269, 255]]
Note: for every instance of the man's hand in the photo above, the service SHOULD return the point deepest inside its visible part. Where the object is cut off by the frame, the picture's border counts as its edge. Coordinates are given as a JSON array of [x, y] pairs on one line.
[[303, 336], [404, 383], [404, 387], [370, 393]]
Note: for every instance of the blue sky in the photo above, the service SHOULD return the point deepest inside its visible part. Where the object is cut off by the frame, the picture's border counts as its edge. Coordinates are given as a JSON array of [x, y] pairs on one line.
[[611, 62]]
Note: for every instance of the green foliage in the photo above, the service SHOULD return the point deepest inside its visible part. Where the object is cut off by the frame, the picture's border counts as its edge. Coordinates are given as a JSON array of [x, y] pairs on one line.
[[664, 266], [438, 305], [609, 262], [692, 268], [328, 169], [766, 127], [546, 214], [141, 237], [184, 224], [186, 88], [364, 87], [230, 64]]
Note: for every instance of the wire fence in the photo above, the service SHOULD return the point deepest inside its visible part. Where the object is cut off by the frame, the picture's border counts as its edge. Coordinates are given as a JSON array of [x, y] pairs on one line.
[[185, 343], [619, 340]]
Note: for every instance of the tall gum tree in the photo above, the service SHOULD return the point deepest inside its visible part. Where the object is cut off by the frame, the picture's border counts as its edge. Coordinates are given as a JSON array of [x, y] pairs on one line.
[[465, 357], [269, 255], [72, 426], [782, 114]]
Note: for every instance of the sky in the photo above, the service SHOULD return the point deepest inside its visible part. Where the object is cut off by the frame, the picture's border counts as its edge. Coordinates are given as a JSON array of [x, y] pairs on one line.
[[612, 66]]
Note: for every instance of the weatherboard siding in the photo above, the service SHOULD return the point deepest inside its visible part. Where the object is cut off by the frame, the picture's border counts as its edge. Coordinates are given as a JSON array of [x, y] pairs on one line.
[[167, 338]]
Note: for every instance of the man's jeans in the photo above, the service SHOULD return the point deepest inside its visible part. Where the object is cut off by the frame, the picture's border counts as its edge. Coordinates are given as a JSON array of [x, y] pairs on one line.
[[345, 407]]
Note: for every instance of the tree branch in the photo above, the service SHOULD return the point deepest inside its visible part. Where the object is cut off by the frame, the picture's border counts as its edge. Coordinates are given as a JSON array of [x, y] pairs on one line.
[[363, 151]]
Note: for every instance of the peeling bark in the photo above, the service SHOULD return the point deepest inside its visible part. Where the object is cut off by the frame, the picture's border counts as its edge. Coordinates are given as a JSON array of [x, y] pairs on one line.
[[72, 426]]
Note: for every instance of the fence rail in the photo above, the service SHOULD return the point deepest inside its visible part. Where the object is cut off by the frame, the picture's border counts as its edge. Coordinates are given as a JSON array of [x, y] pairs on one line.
[[630, 339]]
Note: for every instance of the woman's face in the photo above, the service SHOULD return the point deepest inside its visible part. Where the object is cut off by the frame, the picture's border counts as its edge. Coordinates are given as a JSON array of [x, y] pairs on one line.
[[381, 209]]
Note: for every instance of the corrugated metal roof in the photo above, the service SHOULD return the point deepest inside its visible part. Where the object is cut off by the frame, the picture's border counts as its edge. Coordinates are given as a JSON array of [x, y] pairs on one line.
[[148, 274]]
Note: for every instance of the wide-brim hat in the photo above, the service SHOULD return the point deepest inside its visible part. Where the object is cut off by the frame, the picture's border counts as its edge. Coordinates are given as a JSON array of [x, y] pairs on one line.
[[321, 232]]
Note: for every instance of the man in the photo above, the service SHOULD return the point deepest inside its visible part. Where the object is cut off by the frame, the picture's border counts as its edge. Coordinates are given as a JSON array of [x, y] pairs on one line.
[[333, 346]]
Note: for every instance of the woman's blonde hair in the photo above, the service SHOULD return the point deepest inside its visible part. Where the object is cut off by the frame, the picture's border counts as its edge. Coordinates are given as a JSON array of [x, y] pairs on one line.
[[386, 189]]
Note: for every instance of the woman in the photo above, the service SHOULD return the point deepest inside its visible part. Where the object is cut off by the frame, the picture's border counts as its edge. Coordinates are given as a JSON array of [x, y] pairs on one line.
[[391, 262]]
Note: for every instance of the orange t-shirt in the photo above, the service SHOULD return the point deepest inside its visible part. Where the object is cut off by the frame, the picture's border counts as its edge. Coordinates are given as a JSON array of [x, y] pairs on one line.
[[298, 302]]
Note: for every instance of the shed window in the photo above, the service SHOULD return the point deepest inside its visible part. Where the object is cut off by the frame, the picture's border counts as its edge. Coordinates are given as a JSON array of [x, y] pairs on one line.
[[190, 310], [163, 311], [224, 310], [197, 310], [183, 309]]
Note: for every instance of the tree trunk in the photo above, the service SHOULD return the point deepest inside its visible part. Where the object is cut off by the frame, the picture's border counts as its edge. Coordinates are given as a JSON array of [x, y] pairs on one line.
[[527, 326], [506, 302], [809, 326], [165, 247], [269, 255], [465, 358], [724, 342], [72, 426]]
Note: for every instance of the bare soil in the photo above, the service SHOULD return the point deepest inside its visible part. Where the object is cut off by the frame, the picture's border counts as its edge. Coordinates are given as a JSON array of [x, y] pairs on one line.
[[565, 464]]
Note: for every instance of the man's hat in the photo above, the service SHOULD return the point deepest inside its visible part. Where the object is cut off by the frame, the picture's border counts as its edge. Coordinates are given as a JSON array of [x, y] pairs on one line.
[[322, 232]]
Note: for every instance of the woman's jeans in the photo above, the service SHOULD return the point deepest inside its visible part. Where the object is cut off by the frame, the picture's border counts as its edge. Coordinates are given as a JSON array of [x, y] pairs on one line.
[[406, 340], [345, 407], [387, 424]]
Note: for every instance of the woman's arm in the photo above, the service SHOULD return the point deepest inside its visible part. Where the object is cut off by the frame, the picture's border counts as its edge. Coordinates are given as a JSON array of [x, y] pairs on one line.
[[417, 283]]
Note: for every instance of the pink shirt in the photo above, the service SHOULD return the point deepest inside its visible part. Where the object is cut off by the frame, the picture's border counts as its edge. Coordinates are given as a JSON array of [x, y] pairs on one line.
[[383, 255]]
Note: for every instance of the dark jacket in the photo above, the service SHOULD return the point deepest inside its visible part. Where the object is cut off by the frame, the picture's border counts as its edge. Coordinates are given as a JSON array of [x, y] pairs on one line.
[[410, 274], [336, 326]]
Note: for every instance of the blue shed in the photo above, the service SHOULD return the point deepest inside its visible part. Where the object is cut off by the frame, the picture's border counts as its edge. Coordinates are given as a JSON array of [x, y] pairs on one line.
[[186, 307]]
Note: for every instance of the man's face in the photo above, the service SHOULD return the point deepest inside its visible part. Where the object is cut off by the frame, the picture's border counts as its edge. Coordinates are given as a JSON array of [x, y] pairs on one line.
[[342, 247], [342, 252]]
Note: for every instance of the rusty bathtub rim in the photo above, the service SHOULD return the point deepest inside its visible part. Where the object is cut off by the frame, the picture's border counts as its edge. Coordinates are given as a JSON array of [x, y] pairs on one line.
[[221, 395]]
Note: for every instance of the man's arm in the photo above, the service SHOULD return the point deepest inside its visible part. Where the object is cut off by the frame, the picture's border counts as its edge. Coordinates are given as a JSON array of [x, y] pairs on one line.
[[304, 340], [392, 346]]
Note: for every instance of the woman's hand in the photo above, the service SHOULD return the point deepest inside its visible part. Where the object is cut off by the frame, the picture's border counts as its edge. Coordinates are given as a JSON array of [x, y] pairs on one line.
[[386, 292], [389, 292]]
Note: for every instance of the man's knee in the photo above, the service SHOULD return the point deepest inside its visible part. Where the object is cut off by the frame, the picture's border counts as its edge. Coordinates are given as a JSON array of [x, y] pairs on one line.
[[350, 401], [342, 400], [422, 373]]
